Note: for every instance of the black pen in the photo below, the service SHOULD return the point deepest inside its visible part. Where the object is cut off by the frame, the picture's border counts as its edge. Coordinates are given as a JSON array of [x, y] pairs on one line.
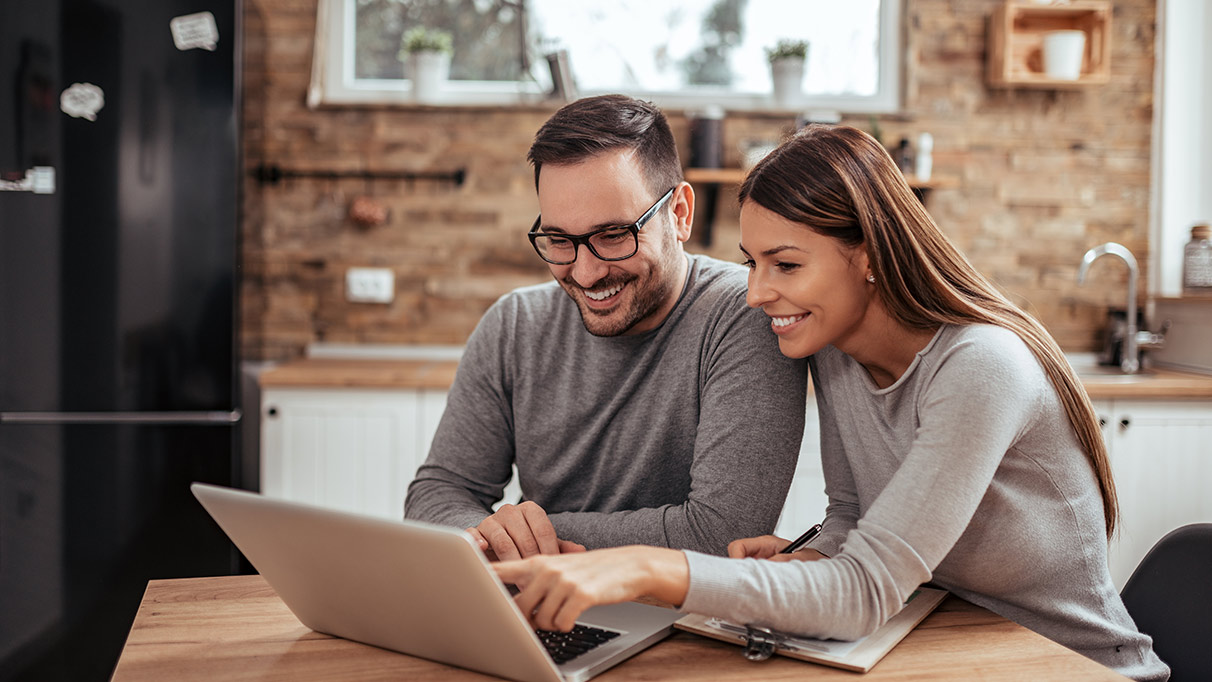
[[798, 543]]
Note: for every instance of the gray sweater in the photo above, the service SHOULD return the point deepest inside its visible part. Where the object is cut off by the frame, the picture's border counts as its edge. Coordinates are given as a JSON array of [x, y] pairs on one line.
[[684, 436], [964, 473]]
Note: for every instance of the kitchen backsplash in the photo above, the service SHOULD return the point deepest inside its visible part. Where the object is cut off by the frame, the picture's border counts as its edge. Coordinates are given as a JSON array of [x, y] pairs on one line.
[[1188, 344], [1030, 179]]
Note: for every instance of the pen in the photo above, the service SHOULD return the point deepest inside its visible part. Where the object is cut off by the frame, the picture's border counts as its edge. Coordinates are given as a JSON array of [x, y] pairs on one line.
[[798, 543]]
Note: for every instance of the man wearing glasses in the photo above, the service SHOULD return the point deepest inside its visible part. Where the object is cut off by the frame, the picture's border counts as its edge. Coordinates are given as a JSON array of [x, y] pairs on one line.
[[644, 403]]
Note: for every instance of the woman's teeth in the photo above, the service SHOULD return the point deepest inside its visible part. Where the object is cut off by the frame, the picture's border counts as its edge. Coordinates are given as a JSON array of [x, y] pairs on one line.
[[784, 321], [604, 293]]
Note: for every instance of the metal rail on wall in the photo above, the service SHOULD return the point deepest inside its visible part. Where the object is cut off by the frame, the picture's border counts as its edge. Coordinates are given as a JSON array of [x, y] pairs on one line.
[[270, 174]]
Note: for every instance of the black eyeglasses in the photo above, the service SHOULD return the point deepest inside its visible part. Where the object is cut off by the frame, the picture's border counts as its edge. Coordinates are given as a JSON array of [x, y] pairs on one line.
[[609, 243]]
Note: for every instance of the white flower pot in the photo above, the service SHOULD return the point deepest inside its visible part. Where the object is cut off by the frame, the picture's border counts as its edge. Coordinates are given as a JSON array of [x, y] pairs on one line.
[[787, 74], [428, 72]]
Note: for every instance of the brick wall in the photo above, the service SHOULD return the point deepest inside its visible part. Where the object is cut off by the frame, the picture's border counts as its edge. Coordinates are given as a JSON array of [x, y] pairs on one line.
[[1036, 178]]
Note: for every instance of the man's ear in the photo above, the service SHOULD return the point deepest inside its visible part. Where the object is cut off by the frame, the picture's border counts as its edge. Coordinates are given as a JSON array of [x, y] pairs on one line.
[[682, 203]]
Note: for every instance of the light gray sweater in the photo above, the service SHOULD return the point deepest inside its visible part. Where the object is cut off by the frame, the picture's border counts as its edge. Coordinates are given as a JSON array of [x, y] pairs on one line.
[[964, 473], [685, 436]]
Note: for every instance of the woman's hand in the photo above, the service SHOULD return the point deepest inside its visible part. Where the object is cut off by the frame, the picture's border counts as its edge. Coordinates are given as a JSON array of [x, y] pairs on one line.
[[768, 547], [556, 589]]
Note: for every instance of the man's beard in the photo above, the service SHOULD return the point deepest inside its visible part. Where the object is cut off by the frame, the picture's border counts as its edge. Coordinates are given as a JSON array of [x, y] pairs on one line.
[[660, 283]]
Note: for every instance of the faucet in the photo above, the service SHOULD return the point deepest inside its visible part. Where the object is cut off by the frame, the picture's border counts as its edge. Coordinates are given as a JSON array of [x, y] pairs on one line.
[[1133, 340]]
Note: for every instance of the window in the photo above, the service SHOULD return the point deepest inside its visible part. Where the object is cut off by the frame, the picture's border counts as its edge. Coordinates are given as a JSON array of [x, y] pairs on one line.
[[678, 53]]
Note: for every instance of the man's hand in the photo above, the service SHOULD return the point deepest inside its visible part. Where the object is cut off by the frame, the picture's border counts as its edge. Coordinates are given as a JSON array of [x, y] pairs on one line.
[[768, 547], [519, 531]]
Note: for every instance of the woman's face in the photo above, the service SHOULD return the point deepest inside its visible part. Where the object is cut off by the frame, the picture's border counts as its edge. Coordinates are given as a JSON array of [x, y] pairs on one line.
[[814, 288]]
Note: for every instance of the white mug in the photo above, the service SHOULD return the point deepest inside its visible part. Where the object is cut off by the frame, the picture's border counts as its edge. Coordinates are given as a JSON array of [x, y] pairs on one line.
[[1063, 52]]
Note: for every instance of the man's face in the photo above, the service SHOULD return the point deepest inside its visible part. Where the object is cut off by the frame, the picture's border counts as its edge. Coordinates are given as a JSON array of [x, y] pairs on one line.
[[616, 297]]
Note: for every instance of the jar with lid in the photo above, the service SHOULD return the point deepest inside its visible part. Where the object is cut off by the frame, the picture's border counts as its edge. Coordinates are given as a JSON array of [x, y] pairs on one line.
[[1197, 261]]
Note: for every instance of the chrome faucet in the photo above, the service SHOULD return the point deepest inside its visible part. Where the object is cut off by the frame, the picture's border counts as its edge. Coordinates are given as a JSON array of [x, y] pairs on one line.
[[1133, 340]]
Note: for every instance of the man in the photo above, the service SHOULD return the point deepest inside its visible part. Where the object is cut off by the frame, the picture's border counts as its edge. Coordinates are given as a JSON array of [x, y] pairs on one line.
[[644, 403]]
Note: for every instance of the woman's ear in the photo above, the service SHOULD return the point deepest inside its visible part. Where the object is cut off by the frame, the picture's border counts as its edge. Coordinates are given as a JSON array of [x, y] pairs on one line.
[[682, 203]]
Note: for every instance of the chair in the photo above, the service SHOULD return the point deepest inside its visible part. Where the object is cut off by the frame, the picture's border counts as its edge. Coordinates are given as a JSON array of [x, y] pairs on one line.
[[1169, 595]]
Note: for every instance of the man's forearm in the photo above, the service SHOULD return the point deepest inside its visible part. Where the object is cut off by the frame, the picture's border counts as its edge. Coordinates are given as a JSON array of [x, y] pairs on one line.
[[443, 503], [690, 525]]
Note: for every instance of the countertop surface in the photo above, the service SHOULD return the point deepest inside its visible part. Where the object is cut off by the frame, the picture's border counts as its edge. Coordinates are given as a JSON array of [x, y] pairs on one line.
[[326, 372], [360, 373]]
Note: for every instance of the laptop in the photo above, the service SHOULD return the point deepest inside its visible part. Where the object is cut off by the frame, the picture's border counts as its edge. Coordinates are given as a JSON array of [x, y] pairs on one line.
[[419, 589]]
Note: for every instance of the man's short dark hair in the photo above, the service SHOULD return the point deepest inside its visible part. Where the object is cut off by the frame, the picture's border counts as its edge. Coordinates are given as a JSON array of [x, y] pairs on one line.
[[587, 127]]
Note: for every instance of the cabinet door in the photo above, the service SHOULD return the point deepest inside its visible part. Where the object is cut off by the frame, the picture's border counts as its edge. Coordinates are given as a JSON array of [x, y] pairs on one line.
[[354, 450], [1161, 457], [806, 500]]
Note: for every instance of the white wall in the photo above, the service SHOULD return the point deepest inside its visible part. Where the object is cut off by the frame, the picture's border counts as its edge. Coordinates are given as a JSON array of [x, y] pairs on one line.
[[1182, 181]]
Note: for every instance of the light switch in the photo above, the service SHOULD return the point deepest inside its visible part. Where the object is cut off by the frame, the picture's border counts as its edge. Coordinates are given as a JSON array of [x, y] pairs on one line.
[[370, 285]]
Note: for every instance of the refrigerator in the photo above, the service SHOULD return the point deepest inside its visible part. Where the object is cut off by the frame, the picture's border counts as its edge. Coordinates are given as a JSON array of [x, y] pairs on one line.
[[119, 192]]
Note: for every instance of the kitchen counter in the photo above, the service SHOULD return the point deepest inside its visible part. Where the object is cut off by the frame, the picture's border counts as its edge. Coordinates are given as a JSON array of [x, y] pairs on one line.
[[360, 373], [1159, 383], [439, 374]]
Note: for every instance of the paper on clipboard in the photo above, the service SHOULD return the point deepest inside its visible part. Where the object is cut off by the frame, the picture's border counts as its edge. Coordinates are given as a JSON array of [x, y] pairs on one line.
[[860, 655]]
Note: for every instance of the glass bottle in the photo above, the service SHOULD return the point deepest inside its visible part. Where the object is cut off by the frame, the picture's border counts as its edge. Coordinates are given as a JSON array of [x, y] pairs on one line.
[[904, 156], [1197, 261]]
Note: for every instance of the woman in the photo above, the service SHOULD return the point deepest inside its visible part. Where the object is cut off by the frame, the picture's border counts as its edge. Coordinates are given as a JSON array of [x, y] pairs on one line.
[[958, 446]]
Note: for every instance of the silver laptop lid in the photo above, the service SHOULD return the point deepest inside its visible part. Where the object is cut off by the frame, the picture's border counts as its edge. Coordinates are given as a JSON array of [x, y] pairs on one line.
[[411, 587]]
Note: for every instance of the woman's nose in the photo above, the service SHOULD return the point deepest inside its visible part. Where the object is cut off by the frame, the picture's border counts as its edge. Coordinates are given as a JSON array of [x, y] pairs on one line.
[[758, 293]]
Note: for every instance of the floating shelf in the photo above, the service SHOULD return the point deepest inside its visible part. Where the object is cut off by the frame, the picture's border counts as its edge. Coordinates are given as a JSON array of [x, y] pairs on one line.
[[1016, 36], [735, 176]]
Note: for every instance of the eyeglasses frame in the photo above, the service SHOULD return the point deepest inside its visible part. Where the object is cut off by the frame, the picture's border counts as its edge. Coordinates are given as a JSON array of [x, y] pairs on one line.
[[579, 239]]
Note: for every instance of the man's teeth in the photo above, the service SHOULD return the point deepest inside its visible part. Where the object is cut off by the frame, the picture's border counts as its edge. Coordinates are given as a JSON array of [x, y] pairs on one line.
[[784, 321], [604, 293]]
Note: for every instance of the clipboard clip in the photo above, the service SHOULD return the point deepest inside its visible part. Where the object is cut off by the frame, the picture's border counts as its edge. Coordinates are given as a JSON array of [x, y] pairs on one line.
[[760, 643]]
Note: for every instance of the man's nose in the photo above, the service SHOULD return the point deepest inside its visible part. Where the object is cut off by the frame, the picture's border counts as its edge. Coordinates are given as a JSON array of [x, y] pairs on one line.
[[588, 269]]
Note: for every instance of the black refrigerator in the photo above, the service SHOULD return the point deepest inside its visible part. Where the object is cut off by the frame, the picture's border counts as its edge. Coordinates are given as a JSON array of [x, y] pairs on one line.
[[119, 190]]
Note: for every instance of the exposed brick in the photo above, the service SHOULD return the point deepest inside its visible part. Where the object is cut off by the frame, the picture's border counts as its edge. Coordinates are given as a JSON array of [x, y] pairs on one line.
[[1035, 178]]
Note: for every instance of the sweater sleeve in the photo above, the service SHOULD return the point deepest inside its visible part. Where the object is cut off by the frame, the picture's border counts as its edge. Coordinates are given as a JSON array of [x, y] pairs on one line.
[[751, 420], [470, 460], [971, 412]]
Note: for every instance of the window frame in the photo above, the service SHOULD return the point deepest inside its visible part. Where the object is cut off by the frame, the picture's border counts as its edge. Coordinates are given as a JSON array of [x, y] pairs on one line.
[[332, 81]]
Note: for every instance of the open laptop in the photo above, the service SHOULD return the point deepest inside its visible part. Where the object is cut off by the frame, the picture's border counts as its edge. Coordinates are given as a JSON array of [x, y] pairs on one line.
[[418, 589]]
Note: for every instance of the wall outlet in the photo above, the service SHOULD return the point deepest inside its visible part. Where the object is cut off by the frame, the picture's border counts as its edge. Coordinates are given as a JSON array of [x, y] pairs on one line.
[[370, 285]]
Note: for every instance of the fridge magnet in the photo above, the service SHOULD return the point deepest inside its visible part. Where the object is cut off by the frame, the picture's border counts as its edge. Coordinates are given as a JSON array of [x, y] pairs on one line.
[[195, 30], [82, 100]]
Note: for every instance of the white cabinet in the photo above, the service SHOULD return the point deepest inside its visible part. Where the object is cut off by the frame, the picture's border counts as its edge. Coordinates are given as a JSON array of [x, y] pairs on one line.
[[357, 449], [1161, 458], [351, 449], [806, 500]]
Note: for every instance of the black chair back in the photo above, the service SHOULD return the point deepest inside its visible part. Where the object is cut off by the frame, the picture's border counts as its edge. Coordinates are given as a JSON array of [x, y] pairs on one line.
[[1170, 597]]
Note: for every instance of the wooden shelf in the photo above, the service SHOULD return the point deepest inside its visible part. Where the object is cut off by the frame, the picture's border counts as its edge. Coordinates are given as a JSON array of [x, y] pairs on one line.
[[735, 176], [1016, 35], [719, 176]]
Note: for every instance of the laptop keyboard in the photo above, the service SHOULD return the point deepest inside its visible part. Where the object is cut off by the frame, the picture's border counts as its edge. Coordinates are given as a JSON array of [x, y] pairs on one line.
[[565, 646]]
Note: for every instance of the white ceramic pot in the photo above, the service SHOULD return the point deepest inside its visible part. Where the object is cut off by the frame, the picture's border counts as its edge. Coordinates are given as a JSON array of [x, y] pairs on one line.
[[428, 72], [1063, 52], [787, 74]]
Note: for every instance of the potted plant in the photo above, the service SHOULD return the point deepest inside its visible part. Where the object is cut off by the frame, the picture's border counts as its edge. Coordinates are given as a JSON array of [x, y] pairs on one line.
[[426, 56], [787, 60]]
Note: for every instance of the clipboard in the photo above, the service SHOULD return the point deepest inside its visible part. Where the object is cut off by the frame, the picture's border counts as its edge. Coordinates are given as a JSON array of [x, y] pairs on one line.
[[859, 656]]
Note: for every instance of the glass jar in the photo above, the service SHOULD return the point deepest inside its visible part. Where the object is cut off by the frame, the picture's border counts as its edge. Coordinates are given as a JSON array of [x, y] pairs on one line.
[[1197, 261]]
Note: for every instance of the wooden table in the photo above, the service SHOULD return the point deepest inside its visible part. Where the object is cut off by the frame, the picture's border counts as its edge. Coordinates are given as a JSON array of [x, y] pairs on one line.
[[236, 628]]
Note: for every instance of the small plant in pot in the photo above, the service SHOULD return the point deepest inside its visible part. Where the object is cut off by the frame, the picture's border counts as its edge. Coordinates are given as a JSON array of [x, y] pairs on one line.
[[426, 56], [787, 59]]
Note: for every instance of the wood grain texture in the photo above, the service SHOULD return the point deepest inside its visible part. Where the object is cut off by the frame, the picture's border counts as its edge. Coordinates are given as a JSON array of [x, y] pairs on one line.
[[236, 628], [335, 373]]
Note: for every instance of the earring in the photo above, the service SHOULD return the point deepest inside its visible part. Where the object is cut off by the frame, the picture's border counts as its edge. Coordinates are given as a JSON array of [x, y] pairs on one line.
[[871, 278]]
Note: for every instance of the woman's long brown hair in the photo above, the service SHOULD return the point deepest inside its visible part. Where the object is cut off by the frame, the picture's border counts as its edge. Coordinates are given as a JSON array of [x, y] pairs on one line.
[[840, 182]]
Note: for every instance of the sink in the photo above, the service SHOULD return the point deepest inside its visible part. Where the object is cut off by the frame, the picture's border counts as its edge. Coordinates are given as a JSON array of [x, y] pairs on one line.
[[1087, 368]]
